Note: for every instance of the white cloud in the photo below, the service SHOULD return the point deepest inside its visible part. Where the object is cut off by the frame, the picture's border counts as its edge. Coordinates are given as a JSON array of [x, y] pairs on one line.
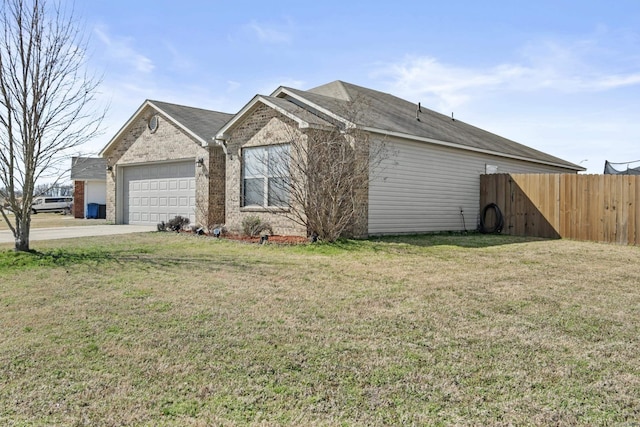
[[582, 66], [616, 81], [120, 49], [576, 99], [269, 34]]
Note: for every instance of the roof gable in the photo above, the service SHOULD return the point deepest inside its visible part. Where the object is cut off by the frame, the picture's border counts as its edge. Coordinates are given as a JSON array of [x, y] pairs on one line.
[[199, 123], [302, 116], [203, 124]]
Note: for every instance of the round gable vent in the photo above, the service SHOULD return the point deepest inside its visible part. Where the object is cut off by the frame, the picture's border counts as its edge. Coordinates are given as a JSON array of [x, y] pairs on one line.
[[153, 123]]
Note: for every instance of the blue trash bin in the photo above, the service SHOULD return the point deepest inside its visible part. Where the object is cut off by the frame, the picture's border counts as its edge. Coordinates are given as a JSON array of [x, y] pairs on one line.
[[92, 210]]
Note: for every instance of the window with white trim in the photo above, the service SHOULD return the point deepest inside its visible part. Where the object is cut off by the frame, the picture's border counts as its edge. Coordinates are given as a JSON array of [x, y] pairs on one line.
[[265, 176]]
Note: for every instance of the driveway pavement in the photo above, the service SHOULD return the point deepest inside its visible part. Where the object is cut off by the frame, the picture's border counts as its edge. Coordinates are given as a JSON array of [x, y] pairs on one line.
[[81, 231]]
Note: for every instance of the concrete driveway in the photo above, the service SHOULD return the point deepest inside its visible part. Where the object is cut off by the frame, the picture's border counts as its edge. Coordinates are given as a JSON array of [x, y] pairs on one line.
[[81, 231]]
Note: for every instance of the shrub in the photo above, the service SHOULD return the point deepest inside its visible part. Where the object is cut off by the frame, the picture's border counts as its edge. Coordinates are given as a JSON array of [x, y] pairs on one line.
[[174, 224], [178, 223], [253, 226]]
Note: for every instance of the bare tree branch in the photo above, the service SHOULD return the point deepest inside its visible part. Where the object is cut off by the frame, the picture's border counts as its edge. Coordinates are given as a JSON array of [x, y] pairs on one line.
[[322, 178], [46, 101]]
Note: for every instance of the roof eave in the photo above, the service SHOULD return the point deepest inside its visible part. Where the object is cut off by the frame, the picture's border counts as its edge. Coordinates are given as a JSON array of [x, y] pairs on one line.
[[284, 91], [135, 115], [177, 123], [113, 140], [223, 133], [476, 150]]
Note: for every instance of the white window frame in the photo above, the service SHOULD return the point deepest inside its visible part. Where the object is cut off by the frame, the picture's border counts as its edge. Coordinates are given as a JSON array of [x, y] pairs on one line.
[[263, 156]]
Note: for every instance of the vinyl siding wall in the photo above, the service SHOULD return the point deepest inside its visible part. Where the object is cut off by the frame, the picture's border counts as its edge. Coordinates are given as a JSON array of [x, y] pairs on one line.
[[421, 187]]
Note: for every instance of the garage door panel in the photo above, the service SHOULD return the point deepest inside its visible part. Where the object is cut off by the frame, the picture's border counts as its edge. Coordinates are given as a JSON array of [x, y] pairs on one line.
[[155, 193]]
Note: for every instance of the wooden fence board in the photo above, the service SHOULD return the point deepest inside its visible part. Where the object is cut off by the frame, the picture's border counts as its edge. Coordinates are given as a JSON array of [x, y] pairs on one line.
[[599, 202], [602, 208]]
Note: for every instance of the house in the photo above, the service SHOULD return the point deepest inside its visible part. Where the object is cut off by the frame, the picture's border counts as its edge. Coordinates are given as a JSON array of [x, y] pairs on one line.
[[172, 160], [430, 182], [159, 166], [89, 178]]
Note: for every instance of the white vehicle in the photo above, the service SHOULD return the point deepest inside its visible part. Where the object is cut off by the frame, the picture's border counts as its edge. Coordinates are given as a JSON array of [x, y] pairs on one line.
[[52, 204]]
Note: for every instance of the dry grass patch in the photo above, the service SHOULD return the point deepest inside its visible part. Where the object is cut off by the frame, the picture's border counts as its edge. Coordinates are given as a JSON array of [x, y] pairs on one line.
[[54, 220], [165, 329]]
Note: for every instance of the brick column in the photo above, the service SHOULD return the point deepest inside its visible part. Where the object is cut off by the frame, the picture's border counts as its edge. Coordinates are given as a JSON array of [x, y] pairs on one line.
[[78, 199]]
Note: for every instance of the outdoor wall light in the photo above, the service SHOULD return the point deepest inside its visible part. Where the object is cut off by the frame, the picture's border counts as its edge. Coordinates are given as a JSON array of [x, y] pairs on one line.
[[109, 168], [200, 162]]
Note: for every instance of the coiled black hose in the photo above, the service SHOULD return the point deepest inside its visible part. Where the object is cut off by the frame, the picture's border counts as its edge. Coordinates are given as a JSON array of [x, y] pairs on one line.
[[499, 223]]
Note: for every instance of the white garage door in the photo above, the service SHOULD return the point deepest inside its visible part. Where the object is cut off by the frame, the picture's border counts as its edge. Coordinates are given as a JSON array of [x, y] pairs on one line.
[[159, 192]]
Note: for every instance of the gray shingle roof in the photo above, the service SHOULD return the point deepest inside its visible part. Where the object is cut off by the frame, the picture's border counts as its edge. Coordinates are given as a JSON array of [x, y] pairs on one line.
[[88, 168], [202, 123], [389, 113], [296, 110]]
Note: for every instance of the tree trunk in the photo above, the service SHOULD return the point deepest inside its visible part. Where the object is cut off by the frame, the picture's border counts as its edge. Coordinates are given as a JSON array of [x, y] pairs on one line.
[[22, 235]]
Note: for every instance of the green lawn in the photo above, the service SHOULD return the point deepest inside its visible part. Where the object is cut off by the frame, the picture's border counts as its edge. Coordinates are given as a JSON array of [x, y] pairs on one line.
[[166, 329], [52, 220]]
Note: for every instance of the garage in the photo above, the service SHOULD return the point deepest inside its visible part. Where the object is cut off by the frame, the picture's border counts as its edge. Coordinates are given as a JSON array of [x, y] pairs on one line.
[[159, 192]]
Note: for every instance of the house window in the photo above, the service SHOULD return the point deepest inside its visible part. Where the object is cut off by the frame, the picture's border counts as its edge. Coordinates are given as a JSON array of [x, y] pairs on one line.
[[265, 173]]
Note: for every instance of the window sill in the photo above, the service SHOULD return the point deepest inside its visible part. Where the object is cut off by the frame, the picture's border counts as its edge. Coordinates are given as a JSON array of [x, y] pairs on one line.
[[273, 209]]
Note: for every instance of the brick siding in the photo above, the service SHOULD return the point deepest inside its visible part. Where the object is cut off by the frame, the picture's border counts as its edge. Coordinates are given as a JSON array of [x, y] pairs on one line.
[[169, 143], [78, 199], [263, 127]]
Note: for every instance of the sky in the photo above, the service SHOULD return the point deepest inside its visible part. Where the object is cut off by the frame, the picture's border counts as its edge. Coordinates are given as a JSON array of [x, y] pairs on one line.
[[560, 76]]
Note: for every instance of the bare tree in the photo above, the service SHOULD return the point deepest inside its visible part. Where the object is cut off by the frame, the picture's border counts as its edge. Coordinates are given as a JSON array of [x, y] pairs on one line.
[[46, 101], [320, 177]]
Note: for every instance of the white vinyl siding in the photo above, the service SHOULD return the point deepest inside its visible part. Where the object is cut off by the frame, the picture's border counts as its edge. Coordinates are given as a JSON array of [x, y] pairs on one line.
[[421, 187], [94, 192], [159, 192]]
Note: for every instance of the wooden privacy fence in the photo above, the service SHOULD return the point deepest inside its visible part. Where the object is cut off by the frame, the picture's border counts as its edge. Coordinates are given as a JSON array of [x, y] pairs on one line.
[[602, 208]]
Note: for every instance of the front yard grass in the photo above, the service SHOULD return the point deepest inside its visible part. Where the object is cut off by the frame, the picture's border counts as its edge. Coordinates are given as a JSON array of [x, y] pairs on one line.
[[166, 329], [52, 220]]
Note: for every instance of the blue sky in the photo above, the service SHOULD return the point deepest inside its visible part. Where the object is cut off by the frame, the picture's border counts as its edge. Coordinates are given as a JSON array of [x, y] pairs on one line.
[[560, 76]]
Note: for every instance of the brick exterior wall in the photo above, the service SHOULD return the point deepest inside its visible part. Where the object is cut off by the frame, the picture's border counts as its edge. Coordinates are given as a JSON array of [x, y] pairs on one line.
[[139, 145], [217, 186], [219, 181], [263, 126], [78, 199]]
